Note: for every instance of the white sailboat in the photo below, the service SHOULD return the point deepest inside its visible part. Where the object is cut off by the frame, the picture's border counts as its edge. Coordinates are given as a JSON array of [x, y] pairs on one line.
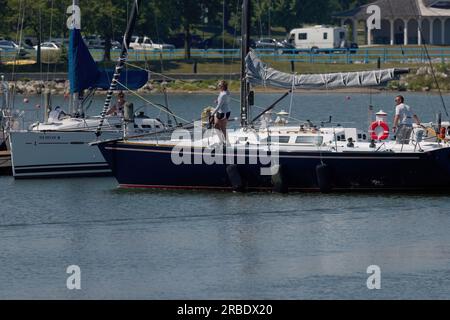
[[59, 147]]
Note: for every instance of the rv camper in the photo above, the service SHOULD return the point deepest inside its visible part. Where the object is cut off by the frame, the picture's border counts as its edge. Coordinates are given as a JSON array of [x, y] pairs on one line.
[[318, 37]]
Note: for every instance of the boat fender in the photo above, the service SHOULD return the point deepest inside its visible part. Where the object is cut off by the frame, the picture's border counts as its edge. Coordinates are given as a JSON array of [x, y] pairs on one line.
[[206, 116], [324, 178], [442, 133], [234, 176], [279, 184], [374, 126]]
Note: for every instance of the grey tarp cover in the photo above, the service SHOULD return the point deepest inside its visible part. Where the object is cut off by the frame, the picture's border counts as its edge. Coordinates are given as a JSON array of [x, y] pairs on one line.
[[258, 73]]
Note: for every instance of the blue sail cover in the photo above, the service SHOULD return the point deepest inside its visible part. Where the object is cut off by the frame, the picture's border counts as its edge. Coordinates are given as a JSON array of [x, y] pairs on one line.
[[129, 80], [84, 73]]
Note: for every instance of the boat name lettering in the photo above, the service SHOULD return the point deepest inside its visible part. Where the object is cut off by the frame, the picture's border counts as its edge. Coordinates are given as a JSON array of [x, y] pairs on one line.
[[49, 137]]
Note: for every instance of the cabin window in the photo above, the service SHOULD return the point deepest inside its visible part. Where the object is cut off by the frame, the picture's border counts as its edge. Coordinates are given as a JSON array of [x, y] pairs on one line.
[[313, 140], [441, 4], [342, 35], [302, 36], [283, 139], [280, 139], [146, 126], [362, 136], [325, 36]]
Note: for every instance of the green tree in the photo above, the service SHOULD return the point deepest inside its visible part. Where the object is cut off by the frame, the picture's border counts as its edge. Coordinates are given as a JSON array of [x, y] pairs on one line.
[[106, 19], [184, 13], [43, 19]]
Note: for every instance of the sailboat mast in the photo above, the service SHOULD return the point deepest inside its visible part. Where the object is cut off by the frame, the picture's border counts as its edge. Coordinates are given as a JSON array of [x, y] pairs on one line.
[[74, 99], [121, 62], [245, 48]]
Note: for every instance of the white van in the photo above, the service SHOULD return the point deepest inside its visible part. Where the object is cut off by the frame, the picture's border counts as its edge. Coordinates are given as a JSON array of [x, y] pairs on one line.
[[318, 37]]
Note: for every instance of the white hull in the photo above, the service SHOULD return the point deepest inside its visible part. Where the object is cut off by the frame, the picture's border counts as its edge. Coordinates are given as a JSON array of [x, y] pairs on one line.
[[37, 154]]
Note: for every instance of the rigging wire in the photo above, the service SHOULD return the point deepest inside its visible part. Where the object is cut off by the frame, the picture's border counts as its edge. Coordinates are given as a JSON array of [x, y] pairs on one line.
[[50, 39], [151, 103], [223, 39], [427, 53], [236, 22], [20, 22]]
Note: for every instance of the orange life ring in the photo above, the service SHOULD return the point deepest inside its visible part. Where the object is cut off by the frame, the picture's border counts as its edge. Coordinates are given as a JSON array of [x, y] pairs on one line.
[[374, 126]]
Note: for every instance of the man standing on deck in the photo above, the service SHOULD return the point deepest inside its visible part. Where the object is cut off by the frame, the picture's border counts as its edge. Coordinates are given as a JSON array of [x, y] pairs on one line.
[[117, 108], [403, 121], [222, 112]]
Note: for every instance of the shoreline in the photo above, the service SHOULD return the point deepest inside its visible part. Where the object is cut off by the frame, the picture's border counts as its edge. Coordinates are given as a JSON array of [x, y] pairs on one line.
[[61, 87]]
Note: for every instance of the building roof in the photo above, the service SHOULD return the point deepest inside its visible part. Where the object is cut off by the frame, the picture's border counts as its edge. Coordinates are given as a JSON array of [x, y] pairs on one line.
[[393, 9]]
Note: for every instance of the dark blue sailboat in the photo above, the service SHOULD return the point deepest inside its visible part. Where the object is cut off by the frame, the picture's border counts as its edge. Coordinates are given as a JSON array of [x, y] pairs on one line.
[[283, 158]]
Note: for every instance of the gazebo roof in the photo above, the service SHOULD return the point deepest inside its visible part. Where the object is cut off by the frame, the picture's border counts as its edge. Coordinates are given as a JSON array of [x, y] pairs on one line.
[[394, 9]]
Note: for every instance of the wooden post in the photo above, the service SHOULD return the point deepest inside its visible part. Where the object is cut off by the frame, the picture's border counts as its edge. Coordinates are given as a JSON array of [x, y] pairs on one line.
[[47, 104]]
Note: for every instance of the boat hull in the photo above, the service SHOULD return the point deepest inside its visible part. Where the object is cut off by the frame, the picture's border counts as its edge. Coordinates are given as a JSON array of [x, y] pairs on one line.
[[151, 166], [57, 154], [5, 163]]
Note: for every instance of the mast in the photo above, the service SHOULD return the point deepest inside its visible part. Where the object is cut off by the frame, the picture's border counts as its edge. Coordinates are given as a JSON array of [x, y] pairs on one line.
[[245, 48], [120, 63], [75, 97]]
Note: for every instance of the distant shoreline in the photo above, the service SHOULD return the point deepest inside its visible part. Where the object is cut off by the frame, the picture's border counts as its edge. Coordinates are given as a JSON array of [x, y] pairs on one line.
[[61, 87]]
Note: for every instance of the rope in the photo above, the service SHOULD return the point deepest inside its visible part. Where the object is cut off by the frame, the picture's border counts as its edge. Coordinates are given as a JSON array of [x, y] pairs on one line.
[[151, 103]]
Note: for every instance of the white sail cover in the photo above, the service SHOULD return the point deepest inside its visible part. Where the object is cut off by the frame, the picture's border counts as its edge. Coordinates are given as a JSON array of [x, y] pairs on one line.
[[258, 73]]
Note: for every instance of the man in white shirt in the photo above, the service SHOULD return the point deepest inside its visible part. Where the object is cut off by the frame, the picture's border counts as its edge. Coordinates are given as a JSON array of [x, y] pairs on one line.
[[56, 115], [403, 121]]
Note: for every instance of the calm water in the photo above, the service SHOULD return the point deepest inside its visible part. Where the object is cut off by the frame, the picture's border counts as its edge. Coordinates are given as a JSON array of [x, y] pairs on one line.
[[199, 245]]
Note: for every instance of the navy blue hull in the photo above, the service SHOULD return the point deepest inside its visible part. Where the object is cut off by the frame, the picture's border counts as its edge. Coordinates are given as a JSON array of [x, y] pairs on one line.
[[147, 166]]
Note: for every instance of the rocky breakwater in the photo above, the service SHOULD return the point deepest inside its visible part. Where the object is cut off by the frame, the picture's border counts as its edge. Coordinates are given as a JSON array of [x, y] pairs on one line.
[[62, 87], [423, 79]]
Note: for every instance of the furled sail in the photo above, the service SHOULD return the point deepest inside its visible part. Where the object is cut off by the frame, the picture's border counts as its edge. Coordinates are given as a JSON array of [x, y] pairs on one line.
[[84, 73], [258, 73], [83, 70]]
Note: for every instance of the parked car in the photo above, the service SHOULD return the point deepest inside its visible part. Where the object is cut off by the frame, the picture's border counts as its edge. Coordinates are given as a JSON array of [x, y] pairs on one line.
[[353, 48], [197, 42], [96, 42], [49, 45], [9, 46], [272, 44], [239, 41], [145, 43]]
